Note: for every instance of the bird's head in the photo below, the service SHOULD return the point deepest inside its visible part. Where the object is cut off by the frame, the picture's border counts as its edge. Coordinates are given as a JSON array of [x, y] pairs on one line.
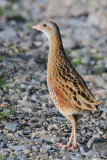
[[49, 28]]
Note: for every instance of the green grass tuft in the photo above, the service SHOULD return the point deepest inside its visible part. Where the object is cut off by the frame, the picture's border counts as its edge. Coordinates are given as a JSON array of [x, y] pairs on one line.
[[16, 17], [97, 58], [99, 71], [68, 51], [1, 12], [78, 62], [6, 112], [28, 25]]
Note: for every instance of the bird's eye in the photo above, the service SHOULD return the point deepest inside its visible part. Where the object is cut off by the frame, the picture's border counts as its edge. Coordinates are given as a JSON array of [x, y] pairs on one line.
[[44, 25]]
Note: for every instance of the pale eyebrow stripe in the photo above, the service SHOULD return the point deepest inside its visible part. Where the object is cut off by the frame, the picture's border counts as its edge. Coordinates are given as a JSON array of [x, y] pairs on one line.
[[52, 27]]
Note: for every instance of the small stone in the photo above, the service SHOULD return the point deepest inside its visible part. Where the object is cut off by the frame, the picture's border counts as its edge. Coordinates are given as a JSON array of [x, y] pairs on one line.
[[26, 98], [5, 131], [3, 145], [33, 155], [23, 86], [104, 115], [42, 150], [103, 109], [91, 153], [50, 127], [75, 158], [91, 141], [97, 144], [37, 43], [10, 136], [48, 147], [84, 149], [104, 136], [4, 104], [35, 134], [20, 132], [34, 148], [17, 148], [38, 141], [10, 126], [96, 159], [26, 151], [8, 34]]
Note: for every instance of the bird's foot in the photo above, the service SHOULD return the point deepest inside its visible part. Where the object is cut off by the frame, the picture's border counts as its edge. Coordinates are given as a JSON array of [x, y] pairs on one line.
[[60, 145], [75, 146]]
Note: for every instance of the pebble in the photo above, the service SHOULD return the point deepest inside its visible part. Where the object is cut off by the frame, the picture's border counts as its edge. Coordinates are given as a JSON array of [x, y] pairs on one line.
[[26, 98], [8, 34], [91, 154], [9, 136], [48, 147], [26, 151], [5, 131], [50, 127], [35, 134], [33, 155], [83, 149], [10, 126], [4, 104], [3, 145]]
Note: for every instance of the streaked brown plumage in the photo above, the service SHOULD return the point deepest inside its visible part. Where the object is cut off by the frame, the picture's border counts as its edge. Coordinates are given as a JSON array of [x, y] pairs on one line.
[[67, 88]]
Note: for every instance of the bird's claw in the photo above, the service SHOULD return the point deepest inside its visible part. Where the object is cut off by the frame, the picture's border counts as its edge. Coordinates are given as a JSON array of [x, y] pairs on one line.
[[60, 145]]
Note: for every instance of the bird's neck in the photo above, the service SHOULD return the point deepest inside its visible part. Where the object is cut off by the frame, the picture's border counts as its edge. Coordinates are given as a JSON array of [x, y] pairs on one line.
[[55, 46], [55, 51]]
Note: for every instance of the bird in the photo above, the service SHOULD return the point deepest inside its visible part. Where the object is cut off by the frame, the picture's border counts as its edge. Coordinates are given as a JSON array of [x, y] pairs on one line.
[[67, 88]]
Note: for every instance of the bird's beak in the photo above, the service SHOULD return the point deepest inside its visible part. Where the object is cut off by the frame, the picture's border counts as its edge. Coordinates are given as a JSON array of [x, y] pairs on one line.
[[36, 27]]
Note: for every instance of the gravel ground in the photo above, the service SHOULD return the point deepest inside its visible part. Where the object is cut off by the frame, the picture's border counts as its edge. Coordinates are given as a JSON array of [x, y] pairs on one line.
[[29, 122]]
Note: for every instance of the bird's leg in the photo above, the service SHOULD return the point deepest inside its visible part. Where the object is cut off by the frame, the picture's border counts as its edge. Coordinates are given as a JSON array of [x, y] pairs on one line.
[[60, 145], [70, 139], [73, 135], [75, 143]]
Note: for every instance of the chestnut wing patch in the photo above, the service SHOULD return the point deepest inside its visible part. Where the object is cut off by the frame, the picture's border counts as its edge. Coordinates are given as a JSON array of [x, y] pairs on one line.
[[62, 99]]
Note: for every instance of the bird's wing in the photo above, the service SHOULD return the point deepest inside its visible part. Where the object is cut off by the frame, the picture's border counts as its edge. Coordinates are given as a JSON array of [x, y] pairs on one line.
[[75, 89]]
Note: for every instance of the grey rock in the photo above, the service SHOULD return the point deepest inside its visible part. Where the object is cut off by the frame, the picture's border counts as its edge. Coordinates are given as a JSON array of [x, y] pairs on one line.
[[4, 4], [34, 148], [27, 106], [103, 109], [17, 148], [3, 145], [93, 19], [10, 126], [75, 158], [43, 150], [84, 149], [96, 80], [9, 136], [26, 98], [48, 147], [64, 7], [91, 154], [26, 151], [50, 127], [8, 34], [96, 158], [38, 141], [97, 144], [33, 155], [23, 86]]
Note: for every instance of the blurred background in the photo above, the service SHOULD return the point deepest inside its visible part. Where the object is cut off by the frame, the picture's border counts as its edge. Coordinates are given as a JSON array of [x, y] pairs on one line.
[[26, 109]]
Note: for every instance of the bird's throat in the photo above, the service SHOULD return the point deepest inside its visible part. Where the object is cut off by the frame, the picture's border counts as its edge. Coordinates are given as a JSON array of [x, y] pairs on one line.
[[55, 47], [55, 51]]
